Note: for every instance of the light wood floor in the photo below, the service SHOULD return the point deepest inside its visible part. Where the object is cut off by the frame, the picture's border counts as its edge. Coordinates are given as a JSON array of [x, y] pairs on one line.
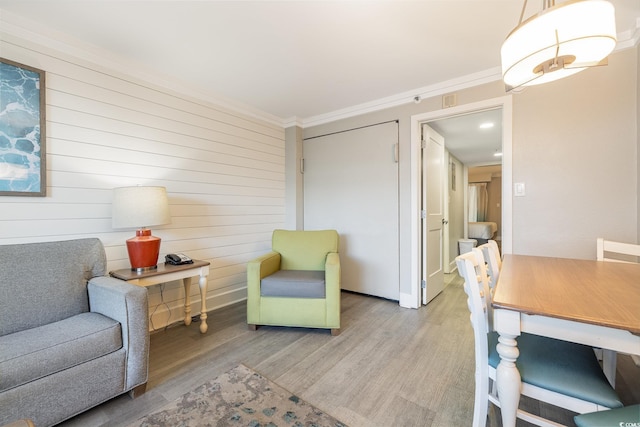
[[389, 366]]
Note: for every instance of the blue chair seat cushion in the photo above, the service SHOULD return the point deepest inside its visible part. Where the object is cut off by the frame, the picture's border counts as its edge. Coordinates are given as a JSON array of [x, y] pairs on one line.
[[564, 367], [625, 417], [294, 284], [35, 353]]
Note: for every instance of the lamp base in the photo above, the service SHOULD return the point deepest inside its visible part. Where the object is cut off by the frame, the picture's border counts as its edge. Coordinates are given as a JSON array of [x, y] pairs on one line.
[[143, 251]]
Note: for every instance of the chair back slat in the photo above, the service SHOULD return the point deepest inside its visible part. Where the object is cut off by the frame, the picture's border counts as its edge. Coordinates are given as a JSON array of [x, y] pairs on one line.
[[472, 268], [491, 254], [609, 250]]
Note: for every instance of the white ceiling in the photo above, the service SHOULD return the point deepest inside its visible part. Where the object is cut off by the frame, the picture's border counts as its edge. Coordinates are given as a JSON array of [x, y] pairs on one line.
[[468, 142], [296, 61], [298, 58]]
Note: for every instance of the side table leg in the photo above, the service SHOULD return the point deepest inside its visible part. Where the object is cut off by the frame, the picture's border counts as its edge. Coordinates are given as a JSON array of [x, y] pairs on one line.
[[508, 379], [187, 300], [203, 298]]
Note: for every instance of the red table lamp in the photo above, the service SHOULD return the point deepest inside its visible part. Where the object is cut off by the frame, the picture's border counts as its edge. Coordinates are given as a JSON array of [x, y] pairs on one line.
[[141, 207]]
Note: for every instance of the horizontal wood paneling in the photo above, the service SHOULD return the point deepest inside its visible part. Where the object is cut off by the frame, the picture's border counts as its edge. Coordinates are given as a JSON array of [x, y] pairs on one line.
[[224, 173]]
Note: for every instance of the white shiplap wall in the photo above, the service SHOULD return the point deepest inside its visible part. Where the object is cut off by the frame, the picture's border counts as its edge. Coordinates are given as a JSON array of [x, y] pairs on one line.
[[223, 170]]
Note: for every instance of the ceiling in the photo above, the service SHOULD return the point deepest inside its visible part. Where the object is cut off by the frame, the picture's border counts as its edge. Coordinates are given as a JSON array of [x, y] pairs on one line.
[[470, 143], [295, 61]]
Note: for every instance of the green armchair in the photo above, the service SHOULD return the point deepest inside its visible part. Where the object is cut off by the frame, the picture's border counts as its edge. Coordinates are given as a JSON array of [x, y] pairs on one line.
[[297, 283]]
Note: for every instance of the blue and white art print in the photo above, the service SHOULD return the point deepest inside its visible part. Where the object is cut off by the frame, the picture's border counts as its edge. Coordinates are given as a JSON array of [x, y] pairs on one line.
[[22, 130]]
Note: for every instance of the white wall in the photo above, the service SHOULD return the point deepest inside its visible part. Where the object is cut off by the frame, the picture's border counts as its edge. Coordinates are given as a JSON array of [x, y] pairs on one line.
[[224, 172], [638, 133], [575, 145]]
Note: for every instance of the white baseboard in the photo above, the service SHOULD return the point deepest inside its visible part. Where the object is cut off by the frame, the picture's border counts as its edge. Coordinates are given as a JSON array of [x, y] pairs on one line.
[[166, 314], [408, 301]]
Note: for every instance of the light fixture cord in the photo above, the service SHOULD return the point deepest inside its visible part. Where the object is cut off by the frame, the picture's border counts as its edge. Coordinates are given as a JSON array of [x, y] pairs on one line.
[[555, 60], [546, 4], [524, 6]]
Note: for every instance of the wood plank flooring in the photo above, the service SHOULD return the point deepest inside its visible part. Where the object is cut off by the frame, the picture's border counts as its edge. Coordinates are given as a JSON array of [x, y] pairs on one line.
[[389, 366]]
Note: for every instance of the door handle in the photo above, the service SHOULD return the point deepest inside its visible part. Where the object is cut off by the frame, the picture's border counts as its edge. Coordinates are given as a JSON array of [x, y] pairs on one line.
[[444, 221]]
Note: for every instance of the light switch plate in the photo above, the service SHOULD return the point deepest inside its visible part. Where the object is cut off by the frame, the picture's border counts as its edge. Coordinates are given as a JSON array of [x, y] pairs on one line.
[[518, 189]]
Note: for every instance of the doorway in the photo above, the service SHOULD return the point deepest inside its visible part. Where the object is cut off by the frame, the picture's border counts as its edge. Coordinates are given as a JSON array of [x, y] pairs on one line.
[[473, 144], [505, 104]]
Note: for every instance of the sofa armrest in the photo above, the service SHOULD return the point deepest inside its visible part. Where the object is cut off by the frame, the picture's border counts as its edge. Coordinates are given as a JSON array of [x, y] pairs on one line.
[[127, 304], [257, 269]]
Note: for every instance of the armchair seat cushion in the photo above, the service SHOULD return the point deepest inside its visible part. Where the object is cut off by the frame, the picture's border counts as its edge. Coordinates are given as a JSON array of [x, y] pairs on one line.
[[35, 353], [294, 284]]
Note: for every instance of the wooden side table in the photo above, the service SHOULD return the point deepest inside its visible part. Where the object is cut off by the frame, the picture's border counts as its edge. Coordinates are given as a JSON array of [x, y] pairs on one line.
[[167, 273]]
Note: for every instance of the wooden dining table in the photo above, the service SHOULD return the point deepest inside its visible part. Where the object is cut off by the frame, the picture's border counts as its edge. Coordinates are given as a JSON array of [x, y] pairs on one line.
[[590, 302]]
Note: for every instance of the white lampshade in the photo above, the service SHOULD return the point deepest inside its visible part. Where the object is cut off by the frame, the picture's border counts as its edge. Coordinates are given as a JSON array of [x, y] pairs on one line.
[[558, 42], [137, 207]]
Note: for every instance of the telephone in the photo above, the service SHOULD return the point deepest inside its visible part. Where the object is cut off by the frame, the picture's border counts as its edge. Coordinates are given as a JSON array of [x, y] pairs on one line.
[[177, 259]]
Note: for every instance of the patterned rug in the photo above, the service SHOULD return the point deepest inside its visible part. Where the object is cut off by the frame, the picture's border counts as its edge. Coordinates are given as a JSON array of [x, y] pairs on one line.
[[239, 397]]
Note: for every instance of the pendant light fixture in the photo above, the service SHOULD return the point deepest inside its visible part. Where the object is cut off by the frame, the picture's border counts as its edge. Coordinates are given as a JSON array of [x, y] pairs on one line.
[[559, 41]]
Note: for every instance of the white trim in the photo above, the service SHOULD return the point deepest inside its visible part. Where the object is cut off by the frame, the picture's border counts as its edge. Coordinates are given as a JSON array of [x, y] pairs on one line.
[[406, 300], [403, 98], [20, 27], [17, 26], [413, 299]]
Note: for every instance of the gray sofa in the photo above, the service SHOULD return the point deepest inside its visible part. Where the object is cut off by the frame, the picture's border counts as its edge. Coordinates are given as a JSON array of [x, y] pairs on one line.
[[70, 337]]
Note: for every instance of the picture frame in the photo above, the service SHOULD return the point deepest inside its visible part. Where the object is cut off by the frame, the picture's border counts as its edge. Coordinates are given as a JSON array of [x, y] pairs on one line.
[[22, 130]]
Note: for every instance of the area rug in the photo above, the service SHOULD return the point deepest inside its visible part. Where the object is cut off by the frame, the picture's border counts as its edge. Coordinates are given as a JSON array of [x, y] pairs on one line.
[[239, 397]]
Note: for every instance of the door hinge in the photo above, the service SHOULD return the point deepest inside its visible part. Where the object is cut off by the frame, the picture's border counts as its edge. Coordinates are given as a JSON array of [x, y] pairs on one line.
[[423, 284], [423, 214], [423, 144], [302, 165]]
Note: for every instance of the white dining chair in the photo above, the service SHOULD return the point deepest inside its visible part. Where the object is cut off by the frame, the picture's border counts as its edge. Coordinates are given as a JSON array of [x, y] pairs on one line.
[[560, 373], [492, 257], [609, 250]]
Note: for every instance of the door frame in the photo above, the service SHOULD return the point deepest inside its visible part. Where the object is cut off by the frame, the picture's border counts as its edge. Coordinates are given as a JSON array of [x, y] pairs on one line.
[[413, 300]]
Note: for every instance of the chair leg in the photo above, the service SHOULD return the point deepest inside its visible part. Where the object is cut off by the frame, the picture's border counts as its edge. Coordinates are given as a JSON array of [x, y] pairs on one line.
[[252, 327], [138, 391], [335, 332], [609, 359], [481, 402]]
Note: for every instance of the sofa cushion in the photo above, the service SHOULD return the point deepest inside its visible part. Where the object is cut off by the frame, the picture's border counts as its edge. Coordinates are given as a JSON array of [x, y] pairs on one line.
[[294, 284], [35, 353], [55, 272]]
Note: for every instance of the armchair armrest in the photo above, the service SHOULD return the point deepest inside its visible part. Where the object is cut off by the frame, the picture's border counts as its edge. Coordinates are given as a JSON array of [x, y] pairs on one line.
[[257, 269], [333, 287], [264, 265], [127, 304]]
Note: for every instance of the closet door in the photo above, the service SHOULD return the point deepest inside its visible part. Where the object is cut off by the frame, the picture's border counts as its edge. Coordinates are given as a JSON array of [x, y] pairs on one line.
[[351, 185]]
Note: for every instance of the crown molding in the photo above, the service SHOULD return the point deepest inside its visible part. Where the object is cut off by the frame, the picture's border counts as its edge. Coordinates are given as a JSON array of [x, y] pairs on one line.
[[630, 38], [408, 97], [25, 29], [17, 26]]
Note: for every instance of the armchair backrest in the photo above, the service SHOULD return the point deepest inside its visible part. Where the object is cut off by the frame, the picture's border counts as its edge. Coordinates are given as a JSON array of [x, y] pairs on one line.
[[304, 250], [41, 283]]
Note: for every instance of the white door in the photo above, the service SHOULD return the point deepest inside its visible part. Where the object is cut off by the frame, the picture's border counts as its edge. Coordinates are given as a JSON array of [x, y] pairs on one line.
[[351, 185], [433, 213]]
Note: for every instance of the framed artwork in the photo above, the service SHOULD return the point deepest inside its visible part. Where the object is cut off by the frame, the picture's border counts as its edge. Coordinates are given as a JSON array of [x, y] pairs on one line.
[[22, 130]]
